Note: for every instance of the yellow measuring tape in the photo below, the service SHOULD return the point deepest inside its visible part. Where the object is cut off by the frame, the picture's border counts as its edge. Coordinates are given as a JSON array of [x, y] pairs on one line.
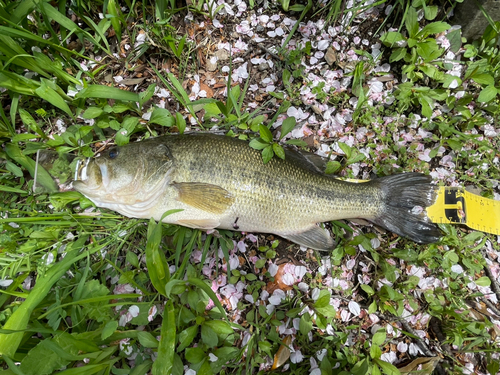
[[455, 205]]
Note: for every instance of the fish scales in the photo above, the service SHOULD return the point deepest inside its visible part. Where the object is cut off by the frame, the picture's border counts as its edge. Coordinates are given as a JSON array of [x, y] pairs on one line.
[[277, 196], [221, 182]]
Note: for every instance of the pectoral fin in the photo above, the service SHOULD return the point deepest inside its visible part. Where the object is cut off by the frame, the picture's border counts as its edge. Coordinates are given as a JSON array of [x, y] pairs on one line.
[[314, 238], [206, 197]]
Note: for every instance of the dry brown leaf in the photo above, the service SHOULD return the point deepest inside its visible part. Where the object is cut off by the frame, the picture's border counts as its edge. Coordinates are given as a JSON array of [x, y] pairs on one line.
[[428, 366], [330, 56], [208, 90], [282, 354]]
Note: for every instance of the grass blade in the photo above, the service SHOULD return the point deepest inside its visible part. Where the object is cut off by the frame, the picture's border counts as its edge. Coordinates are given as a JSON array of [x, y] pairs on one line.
[[166, 350], [20, 318], [47, 93], [105, 92]]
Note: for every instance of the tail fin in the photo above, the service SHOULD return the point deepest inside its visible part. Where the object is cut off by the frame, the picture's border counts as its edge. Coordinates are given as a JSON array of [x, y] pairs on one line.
[[402, 194]]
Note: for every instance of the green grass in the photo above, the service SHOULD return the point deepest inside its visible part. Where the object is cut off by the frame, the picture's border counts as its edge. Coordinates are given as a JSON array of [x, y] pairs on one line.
[[87, 291]]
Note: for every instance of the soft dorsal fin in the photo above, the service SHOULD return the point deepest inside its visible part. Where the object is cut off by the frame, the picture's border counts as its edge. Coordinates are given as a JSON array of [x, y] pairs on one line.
[[207, 197], [307, 160]]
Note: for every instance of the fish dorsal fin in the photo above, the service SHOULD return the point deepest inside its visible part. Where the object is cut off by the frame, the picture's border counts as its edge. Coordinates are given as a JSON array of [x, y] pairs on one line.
[[206, 197], [315, 238], [307, 160]]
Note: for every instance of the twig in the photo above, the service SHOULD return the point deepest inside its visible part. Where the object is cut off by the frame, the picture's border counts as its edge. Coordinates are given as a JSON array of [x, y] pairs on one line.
[[494, 283], [264, 49], [491, 306], [421, 344]]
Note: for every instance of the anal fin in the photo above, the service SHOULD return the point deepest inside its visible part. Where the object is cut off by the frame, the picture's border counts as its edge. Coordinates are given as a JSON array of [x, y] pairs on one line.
[[315, 238]]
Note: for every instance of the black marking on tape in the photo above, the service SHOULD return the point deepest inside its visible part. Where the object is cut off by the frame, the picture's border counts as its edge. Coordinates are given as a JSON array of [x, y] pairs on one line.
[[454, 206]]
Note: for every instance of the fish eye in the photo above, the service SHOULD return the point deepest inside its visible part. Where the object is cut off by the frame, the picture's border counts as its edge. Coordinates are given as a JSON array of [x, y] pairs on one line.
[[113, 153]]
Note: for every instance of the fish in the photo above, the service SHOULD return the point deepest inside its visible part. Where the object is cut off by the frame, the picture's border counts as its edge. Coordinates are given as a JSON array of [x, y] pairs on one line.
[[217, 181]]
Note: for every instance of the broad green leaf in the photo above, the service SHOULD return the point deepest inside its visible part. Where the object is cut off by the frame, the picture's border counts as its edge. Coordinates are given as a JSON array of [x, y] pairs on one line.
[[265, 133], [379, 337], [166, 349], [122, 137], [391, 37], [142, 368], [267, 154], [305, 324], [132, 258], [180, 122], [431, 71], [483, 79], [186, 337], [92, 112], [448, 80], [323, 299], [368, 289], [345, 148], [375, 351], [411, 22], [195, 355], [278, 151], [327, 311], [220, 327], [429, 50], [425, 102], [487, 94], [433, 28], [455, 38], [397, 54], [483, 281], [147, 339], [109, 329], [85, 370], [287, 126], [208, 336], [386, 367], [162, 116], [258, 143], [430, 12], [355, 158], [332, 167], [454, 144]]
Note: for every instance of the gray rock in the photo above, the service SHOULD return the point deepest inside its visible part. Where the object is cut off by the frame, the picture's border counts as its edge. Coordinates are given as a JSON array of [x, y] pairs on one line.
[[471, 18]]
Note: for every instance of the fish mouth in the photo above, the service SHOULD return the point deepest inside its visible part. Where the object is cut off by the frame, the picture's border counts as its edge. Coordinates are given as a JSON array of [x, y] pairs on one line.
[[92, 175], [81, 169]]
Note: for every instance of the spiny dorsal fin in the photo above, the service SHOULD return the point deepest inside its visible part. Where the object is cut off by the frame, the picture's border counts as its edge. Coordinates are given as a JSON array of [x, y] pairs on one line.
[[206, 197]]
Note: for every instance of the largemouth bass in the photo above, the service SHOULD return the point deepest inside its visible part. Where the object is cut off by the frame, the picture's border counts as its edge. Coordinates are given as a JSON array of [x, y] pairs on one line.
[[221, 182]]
